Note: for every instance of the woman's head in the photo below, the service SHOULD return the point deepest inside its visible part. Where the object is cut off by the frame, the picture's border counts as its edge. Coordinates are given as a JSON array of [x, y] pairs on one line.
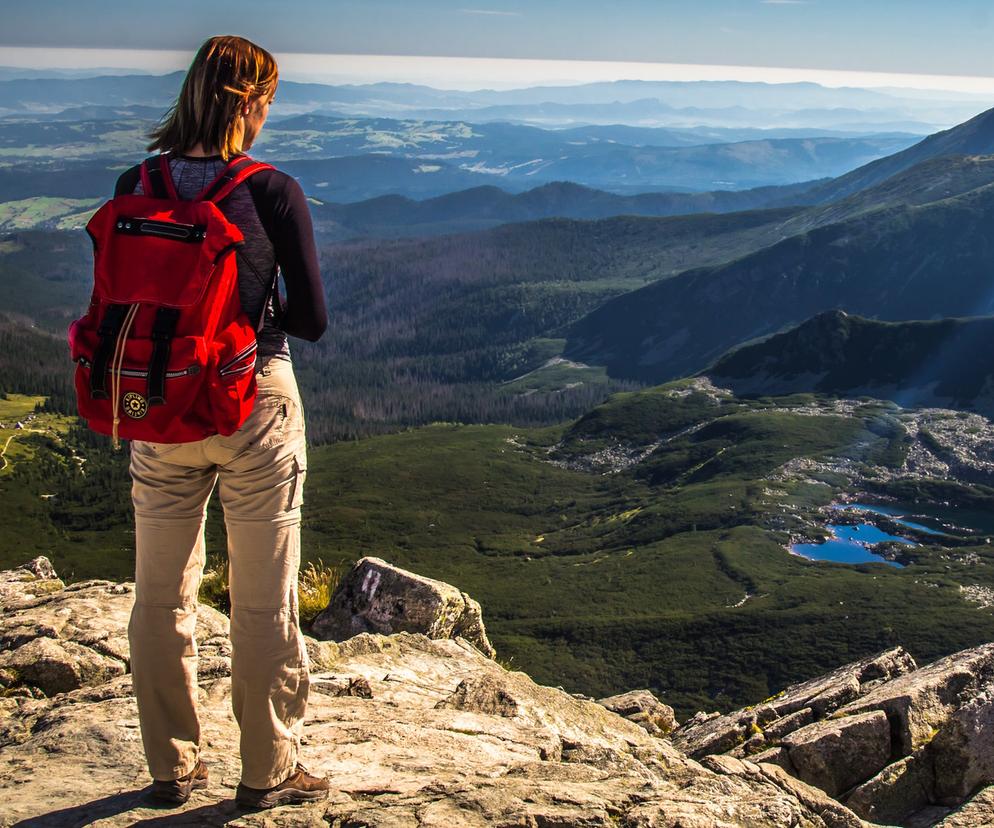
[[224, 100]]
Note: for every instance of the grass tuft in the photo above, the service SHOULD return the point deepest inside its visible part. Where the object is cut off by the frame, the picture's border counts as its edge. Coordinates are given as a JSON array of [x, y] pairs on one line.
[[315, 586]]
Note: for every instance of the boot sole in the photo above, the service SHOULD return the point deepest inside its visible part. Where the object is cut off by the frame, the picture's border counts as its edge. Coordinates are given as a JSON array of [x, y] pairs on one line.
[[287, 796]]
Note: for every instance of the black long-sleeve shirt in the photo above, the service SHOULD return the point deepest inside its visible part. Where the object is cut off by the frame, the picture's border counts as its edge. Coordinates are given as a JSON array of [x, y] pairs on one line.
[[271, 211]]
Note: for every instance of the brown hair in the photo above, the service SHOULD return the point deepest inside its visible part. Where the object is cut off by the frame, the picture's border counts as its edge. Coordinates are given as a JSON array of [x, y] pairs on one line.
[[226, 74]]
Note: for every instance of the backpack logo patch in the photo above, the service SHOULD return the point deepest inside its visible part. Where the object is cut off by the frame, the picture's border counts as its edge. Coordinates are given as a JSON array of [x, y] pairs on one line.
[[135, 405]]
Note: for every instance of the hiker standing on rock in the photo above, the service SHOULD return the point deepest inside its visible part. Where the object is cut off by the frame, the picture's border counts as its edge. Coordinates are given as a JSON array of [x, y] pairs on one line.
[[260, 467]]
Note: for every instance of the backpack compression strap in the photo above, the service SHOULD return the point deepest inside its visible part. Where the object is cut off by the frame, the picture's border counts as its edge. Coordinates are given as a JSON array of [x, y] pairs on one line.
[[163, 329]]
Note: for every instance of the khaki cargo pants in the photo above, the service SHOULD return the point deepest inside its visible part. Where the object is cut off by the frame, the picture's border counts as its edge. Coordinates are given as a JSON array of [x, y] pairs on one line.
[[261, 469]]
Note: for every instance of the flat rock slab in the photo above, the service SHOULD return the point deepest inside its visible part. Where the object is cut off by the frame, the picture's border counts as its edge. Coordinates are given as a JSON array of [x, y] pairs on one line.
[[836, 754]]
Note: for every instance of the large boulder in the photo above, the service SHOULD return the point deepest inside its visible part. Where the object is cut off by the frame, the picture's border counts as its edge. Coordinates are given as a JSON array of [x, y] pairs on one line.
[[643, 708], [920, 702], [962, 751], [377, 597], [901, 789], [836, 754]]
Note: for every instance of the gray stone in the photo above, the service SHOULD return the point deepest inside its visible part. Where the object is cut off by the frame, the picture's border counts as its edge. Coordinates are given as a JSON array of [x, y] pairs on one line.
[[963, 751], [375, 596], [643, 708], [59, 666], [778, 755], [838, 753], [897, 792], [703, 736], [788, 724], [41, 567], [977, 813], [920, 703], [483, 694]]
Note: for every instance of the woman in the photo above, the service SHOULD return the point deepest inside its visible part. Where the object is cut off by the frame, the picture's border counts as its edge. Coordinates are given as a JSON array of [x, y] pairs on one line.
[[223, 104]]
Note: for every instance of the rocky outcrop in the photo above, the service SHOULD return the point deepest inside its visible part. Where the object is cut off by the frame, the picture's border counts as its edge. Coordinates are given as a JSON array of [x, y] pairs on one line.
[[643, 708], [375, 596], [897, 744], [410, 730], [790, 709]]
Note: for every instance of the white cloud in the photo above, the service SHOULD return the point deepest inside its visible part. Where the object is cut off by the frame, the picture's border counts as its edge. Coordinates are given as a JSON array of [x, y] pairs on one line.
[[491, 11]]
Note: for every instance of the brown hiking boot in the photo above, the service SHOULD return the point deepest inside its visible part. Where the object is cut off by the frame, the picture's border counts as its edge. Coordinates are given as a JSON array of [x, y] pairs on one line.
[[300, 786], [177, 791]]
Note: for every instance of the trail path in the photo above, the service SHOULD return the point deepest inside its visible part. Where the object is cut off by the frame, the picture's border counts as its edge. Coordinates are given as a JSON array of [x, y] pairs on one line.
[[3, 452]]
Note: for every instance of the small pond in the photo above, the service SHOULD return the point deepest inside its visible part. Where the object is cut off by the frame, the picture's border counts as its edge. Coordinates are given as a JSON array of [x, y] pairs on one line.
[[895, 514], [850, 544]]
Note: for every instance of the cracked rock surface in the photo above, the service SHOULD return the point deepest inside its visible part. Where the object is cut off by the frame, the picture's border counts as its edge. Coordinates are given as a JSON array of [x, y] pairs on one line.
[[896, 743], [410, 730]]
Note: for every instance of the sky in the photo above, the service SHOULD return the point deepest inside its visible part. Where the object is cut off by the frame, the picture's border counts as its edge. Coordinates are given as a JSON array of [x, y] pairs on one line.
[[897, 37]]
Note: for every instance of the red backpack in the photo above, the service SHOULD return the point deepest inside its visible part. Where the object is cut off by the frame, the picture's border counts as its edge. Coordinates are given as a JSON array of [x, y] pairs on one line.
[[165, 352]]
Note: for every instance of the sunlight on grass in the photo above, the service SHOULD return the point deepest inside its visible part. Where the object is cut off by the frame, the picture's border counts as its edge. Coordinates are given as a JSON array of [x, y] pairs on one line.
[[315, 585]]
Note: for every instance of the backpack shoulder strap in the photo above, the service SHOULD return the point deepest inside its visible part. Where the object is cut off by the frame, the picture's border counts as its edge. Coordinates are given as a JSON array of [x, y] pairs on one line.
[[237, 171], [157, 181]]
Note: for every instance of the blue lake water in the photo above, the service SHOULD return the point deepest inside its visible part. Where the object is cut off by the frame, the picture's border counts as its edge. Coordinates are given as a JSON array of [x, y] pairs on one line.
[[850, 544], [891, 512]]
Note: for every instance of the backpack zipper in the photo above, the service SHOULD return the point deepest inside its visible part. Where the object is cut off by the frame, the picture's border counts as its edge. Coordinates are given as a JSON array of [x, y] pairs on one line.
[[244, 353], [139, 374]]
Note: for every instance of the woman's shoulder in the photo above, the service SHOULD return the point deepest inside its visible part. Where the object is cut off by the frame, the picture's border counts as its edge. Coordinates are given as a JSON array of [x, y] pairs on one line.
[[128, 180], [275, 181]]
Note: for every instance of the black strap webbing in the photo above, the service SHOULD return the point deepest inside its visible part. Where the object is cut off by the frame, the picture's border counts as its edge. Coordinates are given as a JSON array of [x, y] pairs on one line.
[[163, 329], [228, 175], [272, 290], [110, 327], [154, 167]]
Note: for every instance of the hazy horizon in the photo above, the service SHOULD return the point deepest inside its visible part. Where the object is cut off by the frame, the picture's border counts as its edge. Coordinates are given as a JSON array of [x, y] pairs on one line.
[[475, 73]]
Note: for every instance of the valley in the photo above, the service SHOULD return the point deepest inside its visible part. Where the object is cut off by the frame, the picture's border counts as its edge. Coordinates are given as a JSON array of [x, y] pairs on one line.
[[645, 543], [608, 398]]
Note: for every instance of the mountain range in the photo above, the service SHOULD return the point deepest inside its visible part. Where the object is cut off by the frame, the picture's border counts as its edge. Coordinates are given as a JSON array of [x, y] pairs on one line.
[[659, 103], [916, 245]]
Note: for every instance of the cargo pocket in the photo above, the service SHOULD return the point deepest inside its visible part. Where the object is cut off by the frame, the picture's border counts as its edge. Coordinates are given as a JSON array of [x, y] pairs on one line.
[[299, 473]]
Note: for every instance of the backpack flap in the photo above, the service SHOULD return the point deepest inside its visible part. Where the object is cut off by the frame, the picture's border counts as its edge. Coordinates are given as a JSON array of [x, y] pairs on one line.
[[158, 252]]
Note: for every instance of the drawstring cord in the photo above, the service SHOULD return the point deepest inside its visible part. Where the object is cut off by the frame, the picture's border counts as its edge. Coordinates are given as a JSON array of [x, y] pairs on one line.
[[115, 371]]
